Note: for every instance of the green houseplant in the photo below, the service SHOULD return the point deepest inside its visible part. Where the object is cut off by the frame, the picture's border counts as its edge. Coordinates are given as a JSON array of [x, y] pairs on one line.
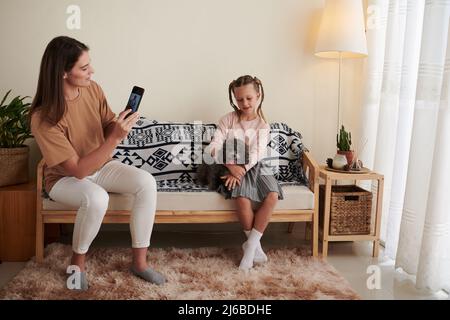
[[343, 143], [14, 130]]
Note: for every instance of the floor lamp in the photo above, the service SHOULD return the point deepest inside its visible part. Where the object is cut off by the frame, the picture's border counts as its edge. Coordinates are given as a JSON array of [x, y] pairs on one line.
[[342, 35]]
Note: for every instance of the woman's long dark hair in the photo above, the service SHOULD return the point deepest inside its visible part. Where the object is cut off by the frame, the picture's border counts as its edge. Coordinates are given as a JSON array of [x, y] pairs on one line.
[[59, 57]]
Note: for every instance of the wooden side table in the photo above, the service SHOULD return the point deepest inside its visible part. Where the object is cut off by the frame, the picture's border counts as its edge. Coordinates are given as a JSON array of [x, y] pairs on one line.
[[330, 177], [18, 223]]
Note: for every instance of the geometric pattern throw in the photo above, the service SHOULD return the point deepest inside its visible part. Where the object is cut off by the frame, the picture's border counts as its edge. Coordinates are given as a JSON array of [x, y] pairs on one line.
[[171, 152]]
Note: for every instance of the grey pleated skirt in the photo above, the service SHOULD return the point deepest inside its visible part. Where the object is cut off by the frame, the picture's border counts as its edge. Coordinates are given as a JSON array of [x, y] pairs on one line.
[[256, 185]]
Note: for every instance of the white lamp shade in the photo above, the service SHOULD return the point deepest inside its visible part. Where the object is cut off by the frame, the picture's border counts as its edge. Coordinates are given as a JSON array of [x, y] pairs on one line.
[[342, 31]]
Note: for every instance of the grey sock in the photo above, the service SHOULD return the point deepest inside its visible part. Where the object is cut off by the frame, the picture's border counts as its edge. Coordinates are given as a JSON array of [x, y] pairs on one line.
[[149, 275]]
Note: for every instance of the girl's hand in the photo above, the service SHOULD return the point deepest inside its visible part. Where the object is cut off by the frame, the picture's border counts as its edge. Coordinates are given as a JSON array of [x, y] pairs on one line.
[[236, 171], [123, 126], [230, 181]]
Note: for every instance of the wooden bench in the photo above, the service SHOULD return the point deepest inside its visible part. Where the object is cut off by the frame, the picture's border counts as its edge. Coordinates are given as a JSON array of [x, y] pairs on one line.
[[180, 216]]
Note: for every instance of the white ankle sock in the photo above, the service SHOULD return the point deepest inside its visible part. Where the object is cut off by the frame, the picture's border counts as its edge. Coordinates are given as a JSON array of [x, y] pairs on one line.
[[249, 249], [260, 256]]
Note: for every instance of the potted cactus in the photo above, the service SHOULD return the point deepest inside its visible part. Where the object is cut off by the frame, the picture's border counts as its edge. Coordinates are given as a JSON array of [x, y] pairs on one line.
[[343, 143], [14, 130]]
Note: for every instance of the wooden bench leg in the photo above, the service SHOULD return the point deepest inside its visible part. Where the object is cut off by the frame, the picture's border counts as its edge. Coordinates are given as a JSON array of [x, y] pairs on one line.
[[315, 233], [39, 239], [291, 227], [308, 231]]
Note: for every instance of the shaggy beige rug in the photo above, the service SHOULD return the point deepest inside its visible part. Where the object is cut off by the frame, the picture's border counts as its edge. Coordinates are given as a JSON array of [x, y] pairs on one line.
[[204, 273]]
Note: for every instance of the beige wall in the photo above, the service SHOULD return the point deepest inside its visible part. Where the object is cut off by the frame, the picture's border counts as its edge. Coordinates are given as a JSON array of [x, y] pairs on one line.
[[186, 52]]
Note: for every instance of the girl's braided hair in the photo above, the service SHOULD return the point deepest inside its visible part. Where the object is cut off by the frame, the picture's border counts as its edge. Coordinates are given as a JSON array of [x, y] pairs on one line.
[[242, 81]]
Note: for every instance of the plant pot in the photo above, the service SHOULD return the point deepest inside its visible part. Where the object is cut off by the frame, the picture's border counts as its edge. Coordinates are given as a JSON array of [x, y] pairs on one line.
[[348, 155], [14, 165], [339, 161]]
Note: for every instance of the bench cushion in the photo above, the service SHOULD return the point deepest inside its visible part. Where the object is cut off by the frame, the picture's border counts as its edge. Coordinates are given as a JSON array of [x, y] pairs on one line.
[[295, 197]]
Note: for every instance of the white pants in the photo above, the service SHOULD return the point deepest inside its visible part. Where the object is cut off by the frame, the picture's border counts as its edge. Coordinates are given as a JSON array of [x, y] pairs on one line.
[[91, 196]]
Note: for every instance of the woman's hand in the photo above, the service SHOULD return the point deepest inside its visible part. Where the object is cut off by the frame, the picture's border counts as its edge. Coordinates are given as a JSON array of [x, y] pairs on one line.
[[230, 181], [236, 171], [123, 126]]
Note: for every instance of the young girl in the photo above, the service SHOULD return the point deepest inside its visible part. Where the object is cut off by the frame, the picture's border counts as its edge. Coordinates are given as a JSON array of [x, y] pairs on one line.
[[77, 132], [252, 181]]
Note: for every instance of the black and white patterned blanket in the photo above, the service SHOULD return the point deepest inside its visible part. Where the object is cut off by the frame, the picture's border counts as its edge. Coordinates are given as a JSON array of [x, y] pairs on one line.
[[171, 152]]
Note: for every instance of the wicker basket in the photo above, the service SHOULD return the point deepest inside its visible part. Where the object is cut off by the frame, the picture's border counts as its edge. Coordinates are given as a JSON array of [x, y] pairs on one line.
[[14, 165], [350, 209]]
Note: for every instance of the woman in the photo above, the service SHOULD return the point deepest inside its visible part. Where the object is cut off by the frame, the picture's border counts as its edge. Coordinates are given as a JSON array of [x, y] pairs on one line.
[[77, 132]]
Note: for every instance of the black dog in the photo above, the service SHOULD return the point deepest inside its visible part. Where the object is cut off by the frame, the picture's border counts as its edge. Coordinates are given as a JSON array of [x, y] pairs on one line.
[[234, 151]]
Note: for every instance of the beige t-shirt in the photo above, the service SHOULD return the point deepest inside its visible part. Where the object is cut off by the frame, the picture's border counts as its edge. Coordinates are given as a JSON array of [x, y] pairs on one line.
[[79, 132]]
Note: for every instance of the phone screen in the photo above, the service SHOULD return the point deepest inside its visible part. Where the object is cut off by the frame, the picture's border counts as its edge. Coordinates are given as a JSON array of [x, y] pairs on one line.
[[134, 101]]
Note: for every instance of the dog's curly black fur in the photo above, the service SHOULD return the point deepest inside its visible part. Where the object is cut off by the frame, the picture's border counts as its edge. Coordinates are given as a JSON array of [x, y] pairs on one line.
[[209, 174]]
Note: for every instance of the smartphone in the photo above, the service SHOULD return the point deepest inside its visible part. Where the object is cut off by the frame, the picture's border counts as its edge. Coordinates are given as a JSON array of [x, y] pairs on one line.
[[135, 100]]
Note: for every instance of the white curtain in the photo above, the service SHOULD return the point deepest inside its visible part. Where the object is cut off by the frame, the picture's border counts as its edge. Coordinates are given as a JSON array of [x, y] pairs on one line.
[[405, 121]]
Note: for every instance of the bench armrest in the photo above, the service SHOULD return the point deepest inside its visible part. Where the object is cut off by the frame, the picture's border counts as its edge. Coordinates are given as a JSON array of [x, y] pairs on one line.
[[312, 170], [40, 176]]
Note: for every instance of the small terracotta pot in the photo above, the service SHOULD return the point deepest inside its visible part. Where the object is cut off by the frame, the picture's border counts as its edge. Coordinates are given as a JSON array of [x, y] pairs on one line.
[[348, 155]]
